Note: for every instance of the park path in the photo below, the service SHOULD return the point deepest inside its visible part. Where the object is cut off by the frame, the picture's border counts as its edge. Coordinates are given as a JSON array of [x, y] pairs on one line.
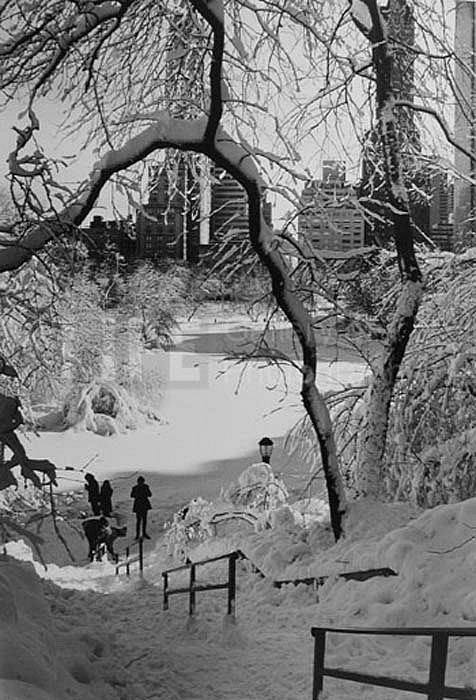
[[210, 659]]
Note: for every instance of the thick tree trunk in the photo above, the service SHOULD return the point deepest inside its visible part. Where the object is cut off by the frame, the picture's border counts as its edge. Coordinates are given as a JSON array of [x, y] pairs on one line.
[[204, 136], [313, 401], [373, 430], [289, 302], [373, 436], [318, 413], [217, 147]]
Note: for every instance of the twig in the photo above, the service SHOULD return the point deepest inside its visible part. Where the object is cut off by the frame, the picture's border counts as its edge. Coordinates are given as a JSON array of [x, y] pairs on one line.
[[90, 461], [452, 549], [55, 525], [137, 658]]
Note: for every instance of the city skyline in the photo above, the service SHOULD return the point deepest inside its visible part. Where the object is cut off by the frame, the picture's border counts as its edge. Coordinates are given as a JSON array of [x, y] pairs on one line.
[[176, 222], [330, 216], [111, 203]]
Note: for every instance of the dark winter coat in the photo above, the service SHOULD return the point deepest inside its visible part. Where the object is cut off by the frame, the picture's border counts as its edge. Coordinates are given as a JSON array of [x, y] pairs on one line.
[[92, 487], [141, 494], [97, 534], [105, 498]]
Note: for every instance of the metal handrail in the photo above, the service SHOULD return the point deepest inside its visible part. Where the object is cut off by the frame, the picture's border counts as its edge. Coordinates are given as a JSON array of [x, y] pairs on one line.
[[435, 689], [194, 587], [227, 516], [317, 581], [128, 560]]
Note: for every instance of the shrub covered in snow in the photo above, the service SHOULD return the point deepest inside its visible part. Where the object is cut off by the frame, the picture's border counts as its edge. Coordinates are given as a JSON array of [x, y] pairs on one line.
[[431, 443], [256, 502], [188, 527], [432, 432], [102, 407], [257, 488]]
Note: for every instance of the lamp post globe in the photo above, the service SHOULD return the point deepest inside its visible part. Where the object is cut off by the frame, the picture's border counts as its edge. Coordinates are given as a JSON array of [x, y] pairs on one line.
[[266, 449]]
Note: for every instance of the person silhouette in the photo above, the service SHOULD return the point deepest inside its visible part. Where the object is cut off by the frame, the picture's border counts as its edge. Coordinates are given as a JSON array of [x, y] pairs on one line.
[[141, 494], [105, 497], [92, 487]]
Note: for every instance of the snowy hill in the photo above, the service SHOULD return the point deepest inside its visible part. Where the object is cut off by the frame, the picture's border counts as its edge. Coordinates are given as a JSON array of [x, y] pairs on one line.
[[116, 642]]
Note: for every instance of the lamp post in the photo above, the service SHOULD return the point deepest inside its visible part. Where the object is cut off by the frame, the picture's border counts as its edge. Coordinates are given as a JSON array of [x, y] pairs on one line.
[[266, 449]]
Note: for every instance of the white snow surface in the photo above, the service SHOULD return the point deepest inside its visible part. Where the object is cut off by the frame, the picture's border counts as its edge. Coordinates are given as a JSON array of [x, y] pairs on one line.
[[62, 640], [81, 633], [361, 13], [212, 411]]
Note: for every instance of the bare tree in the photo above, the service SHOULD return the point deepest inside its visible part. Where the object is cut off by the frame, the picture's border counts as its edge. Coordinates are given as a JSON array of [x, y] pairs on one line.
[[120, 64], [389, 194], [89, 30], [368, 19]]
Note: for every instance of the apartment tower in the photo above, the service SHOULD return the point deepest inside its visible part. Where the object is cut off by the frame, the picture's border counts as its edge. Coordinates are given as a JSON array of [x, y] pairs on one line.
[[465, 115], [169, 224]]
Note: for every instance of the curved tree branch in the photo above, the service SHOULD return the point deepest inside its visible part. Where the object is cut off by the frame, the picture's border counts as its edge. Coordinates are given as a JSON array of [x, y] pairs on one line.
[[212, 12], [166, 132], [205, 136], [267, 249]]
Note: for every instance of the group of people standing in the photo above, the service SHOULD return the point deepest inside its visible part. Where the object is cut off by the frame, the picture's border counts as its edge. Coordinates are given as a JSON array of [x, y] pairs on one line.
[[100, 500]]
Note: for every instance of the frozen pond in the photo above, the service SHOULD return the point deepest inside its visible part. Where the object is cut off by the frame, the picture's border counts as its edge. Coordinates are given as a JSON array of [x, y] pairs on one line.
[[215, 412]]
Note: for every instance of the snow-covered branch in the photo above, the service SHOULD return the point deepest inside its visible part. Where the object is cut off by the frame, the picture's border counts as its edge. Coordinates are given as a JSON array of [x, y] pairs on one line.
[[441, 122], [165, 132], [212, 12], [373, 432]]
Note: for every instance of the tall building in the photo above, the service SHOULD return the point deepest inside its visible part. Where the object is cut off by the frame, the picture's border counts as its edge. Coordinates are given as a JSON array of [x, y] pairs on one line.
[[192, 206], [192, 212], [441, 211], [186, 60], [168, 225], [465, 115], [105, 238], [330, 217], [228, 221], [229, 205], [398, 15]]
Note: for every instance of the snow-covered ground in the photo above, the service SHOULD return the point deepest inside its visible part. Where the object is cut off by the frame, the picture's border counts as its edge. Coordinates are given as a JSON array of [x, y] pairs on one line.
[[212, 410], [85, 634], [81, 633]]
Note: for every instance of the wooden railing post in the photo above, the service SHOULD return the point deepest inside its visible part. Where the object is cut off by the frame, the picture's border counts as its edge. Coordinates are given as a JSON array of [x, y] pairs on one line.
[[231, 584], [128, 569], [439, 652], [319, 653], [141, 557], [165, 605], [191, 600], [193, 587]]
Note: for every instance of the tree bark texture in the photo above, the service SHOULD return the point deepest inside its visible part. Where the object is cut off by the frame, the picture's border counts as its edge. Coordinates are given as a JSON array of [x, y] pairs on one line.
[[374, 427], [283, 291], [297, 315]]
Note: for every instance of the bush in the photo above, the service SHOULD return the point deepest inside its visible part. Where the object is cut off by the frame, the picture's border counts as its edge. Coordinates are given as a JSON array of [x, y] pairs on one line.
[[432, 430]]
